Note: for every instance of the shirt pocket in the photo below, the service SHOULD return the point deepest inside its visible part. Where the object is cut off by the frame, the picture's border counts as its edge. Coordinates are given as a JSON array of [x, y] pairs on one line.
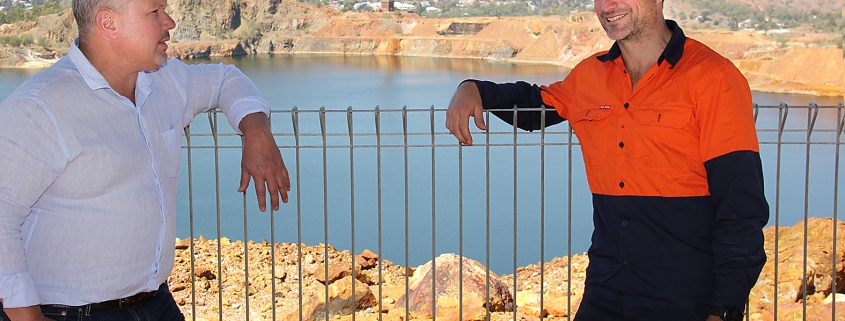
[[593, 129], [173, 141], [662, 143]]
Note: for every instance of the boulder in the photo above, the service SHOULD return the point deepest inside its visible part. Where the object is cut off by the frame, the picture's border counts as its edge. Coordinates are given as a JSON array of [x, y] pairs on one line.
[[340, 301], [446, 299]]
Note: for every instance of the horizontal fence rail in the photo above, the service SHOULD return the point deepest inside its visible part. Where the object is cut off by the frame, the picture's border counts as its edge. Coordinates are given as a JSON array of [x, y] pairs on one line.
[[396, 182]]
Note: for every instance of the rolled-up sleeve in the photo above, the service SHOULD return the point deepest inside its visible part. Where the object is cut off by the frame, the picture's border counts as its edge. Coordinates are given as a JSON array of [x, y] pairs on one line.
[[32, 157], [207, 86]]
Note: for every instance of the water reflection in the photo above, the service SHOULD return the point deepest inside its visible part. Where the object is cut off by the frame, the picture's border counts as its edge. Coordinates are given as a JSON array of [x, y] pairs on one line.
[[390, 63]]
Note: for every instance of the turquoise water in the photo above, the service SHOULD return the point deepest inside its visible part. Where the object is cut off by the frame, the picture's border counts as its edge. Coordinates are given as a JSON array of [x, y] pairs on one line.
[[310, 82]]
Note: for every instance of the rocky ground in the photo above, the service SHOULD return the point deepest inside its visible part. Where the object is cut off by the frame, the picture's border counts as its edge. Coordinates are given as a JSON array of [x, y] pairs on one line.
[[279, 273]]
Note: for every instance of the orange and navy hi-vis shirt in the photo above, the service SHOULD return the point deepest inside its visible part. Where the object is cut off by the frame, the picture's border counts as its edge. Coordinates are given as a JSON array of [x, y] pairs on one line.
[[674, 168]]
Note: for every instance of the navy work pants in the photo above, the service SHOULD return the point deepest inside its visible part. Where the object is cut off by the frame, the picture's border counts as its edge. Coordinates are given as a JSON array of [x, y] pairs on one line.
[[596, 308]]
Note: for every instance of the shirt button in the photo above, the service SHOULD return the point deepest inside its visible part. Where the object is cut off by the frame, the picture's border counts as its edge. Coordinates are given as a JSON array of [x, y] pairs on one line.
[[625, 262], [622, 184], [624, 223], [626, 105], [621, 145]]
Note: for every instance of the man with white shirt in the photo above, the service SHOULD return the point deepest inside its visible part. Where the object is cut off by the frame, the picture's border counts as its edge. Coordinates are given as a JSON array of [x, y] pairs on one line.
[[90, 158]]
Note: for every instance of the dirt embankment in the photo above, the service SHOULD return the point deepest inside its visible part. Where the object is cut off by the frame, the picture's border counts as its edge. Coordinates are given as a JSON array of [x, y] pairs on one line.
[[224, 28]]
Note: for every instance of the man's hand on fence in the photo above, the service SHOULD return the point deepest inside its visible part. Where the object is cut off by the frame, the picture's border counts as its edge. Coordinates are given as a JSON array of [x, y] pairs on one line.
[[263, 161], [465, 103]]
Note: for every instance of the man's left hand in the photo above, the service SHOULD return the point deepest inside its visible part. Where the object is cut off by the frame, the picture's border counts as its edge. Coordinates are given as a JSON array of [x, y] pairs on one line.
[[263, 161]]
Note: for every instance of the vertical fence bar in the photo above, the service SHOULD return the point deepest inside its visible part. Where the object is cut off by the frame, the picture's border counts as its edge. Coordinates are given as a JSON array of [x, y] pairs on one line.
[[569, 224], [273, 238], [747, 302], [461, 231], [246, 246], [380, 252], [487, 211], [187, 131], [433, 221], [405, 161], [352, 194], [783, 112], [295, 120], [840, 123], [273, 262], [213, 123], [811, 122], [515, 210], [542, 207], [325, 207]]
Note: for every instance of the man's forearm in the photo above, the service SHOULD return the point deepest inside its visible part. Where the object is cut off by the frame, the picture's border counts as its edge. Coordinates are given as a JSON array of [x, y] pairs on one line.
[[520, 94], [253, 122]]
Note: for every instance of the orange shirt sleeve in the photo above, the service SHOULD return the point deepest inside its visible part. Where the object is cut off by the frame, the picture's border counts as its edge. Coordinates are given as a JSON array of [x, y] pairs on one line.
[[724, 113]]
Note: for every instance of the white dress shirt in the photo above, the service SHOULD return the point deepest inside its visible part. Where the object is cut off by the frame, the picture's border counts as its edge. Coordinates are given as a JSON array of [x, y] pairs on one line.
[[88, 179]]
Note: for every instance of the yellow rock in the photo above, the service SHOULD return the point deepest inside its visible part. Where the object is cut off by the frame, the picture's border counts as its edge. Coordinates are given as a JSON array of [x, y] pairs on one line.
[[834, 297], [266, 308]]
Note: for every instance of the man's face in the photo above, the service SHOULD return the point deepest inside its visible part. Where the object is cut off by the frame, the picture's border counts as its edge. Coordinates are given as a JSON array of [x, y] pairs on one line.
[[627, 19], [144, 32]]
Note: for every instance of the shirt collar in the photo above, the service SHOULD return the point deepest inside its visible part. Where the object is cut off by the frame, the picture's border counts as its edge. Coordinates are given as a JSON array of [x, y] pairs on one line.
[[95, 79], [672, 53], [90, 74]]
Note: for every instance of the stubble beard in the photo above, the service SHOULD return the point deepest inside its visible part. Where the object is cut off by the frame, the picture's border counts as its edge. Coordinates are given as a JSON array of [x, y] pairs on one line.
[[618, 32], [637, 29], [160, 58]]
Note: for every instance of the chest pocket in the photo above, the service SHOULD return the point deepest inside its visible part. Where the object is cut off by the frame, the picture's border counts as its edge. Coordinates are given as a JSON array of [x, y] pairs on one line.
[[594, 131], [661, 141]]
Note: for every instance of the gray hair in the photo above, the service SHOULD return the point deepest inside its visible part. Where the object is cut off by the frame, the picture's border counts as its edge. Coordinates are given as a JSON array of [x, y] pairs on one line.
[[85, 13]]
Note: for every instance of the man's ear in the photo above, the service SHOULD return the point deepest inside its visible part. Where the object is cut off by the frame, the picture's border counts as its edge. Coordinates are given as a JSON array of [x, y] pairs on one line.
[[105, 23]]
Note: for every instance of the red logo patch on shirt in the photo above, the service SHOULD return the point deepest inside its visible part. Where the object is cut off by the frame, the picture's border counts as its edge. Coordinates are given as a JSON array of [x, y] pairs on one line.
[[604, 107]]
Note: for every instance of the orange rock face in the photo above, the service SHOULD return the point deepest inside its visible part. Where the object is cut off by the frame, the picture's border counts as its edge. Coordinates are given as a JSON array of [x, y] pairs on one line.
[[788, 279]]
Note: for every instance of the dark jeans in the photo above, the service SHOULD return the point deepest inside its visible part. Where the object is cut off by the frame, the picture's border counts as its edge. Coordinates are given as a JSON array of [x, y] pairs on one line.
[[596, 308], [160, 307]]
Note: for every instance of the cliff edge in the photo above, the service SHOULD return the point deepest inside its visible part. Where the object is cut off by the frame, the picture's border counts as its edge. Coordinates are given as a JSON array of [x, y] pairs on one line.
[[227, 28]]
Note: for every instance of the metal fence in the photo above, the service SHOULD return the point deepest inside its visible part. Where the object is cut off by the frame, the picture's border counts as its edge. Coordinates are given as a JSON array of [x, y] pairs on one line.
[[395, 181]]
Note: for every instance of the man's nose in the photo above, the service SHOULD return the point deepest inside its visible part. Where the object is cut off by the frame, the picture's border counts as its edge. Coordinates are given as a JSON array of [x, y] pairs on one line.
[[609, 5], [169, 24]]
